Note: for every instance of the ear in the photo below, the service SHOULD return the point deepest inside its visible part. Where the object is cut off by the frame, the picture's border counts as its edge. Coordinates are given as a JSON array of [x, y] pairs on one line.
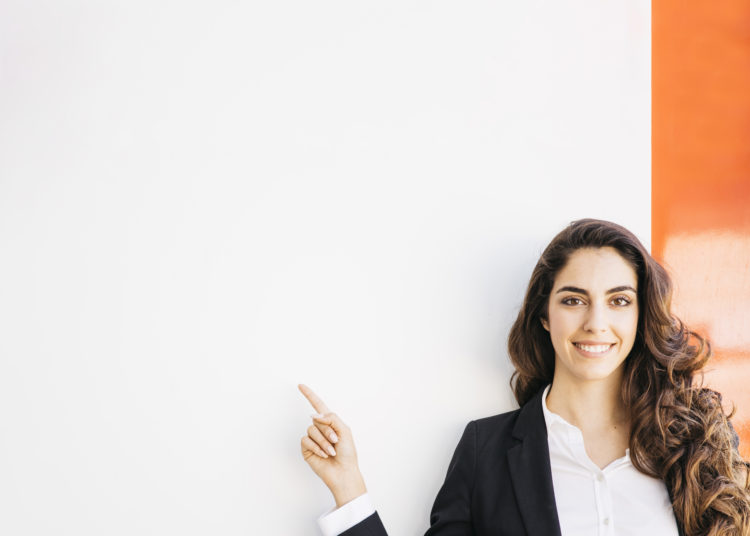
[[545, 324]]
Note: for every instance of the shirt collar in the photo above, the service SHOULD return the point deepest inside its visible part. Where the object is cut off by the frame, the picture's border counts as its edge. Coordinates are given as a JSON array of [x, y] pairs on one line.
[[552, 420]]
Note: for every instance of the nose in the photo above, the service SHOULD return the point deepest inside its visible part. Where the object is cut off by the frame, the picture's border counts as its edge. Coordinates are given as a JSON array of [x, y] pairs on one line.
[[596, 319]]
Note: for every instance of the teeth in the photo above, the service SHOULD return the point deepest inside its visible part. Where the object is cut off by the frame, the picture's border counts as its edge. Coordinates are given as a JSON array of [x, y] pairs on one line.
[[596, 349]]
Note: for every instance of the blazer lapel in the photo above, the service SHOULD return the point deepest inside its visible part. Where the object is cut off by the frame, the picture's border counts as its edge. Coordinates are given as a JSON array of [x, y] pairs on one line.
[[531, 473]]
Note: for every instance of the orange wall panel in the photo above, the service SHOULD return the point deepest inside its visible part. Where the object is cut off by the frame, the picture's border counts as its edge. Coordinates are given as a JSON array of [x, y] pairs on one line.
[[701, 180]]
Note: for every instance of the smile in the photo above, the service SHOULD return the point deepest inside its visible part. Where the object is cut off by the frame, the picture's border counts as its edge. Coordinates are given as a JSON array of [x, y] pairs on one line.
[[593, 349]]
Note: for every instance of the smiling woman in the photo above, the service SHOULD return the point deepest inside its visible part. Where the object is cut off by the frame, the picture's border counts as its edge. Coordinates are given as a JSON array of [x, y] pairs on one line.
[[613, 436], [592, 317]]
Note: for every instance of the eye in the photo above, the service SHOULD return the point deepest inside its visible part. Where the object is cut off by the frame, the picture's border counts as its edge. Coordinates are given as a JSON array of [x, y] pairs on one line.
[[621, 301], [571, 300]]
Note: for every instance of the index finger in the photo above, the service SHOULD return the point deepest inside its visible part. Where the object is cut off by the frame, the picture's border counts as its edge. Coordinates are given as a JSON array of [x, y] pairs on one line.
[[314, 399]]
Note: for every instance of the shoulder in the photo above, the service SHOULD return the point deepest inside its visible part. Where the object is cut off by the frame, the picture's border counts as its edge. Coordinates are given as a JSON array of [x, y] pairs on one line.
[[495, 431], [501, 420], [505, 430]]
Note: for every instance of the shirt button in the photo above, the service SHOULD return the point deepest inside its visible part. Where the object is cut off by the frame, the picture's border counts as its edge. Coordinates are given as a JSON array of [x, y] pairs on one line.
[[600, 477], [606, 521]]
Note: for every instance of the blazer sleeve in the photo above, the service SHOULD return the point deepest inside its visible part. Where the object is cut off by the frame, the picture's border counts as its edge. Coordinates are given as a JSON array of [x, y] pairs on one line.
[[451, 511]]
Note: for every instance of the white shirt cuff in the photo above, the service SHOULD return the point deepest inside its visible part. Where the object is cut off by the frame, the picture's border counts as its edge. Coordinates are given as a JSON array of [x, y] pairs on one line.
[[336, 521]]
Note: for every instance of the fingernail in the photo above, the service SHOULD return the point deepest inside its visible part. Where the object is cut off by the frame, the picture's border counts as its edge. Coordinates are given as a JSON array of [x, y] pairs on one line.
[[317, 415], [333, 452], [334, 437]]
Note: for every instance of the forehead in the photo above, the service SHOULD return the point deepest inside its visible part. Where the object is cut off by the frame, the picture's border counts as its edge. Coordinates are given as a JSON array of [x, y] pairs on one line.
[[596, 269]]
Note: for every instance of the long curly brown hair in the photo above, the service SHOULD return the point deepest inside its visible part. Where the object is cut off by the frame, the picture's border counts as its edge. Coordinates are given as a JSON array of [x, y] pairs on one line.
[[679, 431]]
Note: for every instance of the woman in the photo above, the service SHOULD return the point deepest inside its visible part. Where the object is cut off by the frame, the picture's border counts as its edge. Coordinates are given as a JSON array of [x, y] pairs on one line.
[[613, 435]]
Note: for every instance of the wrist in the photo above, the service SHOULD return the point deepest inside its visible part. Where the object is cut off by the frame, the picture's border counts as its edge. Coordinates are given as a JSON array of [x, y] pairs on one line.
[[349, 489]]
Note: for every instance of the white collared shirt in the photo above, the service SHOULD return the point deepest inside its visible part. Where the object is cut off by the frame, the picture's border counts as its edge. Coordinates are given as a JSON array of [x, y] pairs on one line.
[[618, 500]]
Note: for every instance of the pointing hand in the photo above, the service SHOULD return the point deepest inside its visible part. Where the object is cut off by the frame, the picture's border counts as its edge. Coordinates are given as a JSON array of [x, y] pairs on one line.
[[328, 448]]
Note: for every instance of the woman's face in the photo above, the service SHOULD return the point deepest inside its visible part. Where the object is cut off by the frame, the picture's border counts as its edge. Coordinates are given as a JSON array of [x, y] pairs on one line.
[[592, 315]]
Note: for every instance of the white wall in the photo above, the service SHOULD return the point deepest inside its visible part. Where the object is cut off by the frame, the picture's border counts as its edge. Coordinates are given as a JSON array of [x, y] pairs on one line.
[[204, 204]]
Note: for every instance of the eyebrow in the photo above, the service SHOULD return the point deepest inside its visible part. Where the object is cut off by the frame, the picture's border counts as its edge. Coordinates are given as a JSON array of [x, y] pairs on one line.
[[585, 292]]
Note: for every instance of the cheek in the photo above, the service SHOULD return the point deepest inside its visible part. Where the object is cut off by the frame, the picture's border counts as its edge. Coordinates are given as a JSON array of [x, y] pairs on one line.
[[563, 319], [628, 325], [562, 326]]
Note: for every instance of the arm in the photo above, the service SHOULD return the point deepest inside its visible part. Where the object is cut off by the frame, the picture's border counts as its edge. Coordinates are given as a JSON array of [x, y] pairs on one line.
[[339, 520], [328, 448], [451, 511]]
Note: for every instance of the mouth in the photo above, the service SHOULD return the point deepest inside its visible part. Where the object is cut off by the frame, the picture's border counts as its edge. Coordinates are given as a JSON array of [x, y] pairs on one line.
[[593, 350]]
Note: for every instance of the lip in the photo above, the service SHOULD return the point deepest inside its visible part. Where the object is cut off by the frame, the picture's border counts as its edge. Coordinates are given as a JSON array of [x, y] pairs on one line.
[[593, 354]]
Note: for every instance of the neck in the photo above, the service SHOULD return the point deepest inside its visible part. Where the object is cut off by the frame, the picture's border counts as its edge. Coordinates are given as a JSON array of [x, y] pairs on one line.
[[589, 405]]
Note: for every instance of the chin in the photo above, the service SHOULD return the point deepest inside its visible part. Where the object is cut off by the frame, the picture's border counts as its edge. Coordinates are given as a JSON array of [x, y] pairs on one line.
[[598, 373], [593, 377]]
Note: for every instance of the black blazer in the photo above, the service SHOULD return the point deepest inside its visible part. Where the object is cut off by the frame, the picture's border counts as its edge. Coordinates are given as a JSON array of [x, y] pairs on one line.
[[499, 481]]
